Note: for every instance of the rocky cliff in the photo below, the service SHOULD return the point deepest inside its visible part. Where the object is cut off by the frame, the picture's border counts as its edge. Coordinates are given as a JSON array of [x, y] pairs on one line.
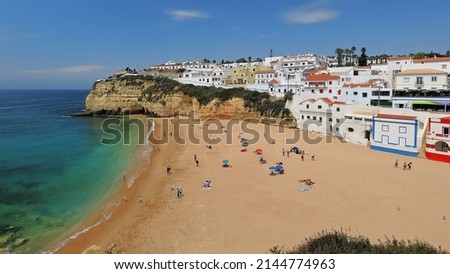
[[140, 94]]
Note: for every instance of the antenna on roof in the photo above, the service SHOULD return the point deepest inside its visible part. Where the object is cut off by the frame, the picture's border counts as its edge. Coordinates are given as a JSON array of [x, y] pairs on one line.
[[270, 55]]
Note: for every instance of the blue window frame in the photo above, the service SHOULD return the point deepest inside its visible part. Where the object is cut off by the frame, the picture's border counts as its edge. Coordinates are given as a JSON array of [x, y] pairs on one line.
[[385, 128], [402, 129]]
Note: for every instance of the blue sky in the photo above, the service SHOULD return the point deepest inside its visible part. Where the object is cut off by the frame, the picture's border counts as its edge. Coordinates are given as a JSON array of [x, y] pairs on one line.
[[71, 43]]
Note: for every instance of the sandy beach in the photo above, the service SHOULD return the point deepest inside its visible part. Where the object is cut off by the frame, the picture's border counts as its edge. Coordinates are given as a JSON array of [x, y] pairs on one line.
[[249, 211]]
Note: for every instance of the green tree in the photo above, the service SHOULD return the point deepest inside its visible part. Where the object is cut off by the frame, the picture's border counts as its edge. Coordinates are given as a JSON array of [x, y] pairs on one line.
[[241, 60], [353, 55], [363, 58], [447, 53], [339, 52]]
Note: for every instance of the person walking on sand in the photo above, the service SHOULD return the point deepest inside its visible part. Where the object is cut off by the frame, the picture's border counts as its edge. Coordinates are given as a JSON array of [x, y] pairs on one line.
[[405, 165], [195, 157], [303, 157], [312, 157], [196, 162], [396, 163], [140, 199], [282, 151], [287, 152], [168, 170], [409, 165]]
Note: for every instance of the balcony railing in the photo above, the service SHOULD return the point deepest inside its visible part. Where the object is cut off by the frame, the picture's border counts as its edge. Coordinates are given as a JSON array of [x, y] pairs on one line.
[[421, 93]]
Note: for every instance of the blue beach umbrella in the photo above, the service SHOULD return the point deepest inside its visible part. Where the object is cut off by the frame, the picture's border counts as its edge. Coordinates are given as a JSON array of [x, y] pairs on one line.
[[225, 161], [279, 167], [272, 168]]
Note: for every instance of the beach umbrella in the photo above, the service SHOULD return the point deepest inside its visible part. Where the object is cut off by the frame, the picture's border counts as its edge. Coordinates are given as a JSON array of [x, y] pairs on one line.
[[272, 168], [279, 167], [259, 150], [225, 161]]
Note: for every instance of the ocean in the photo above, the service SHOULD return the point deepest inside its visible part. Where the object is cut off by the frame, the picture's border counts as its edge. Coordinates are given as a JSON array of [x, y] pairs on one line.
[[54, 170]]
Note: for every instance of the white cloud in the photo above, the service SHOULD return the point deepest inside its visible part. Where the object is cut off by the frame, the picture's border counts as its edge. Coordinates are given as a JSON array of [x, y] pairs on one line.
[[310, 14], [183, 15], [65, 70]]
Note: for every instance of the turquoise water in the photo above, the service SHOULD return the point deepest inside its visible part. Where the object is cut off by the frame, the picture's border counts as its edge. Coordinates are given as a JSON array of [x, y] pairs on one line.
[[53, 169]]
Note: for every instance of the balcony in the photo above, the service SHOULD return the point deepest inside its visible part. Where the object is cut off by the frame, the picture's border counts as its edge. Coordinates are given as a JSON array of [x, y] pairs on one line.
[[421, 93]]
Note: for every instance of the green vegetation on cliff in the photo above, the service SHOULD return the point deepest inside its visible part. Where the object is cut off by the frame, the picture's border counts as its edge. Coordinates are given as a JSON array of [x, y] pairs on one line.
[[253, 100], [339, 242]]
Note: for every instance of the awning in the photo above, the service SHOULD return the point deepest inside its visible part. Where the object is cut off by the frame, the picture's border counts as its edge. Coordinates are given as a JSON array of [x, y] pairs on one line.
[[429, 103]]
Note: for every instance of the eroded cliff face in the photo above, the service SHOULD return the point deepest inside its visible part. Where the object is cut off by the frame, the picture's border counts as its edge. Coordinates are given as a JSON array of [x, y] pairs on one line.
[[114, 96]]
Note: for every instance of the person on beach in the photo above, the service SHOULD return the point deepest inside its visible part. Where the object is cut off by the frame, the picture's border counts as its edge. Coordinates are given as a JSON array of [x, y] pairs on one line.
[[312, 157], [405, 165], [282, 151], [168, 170], [195, 157], [196, 162], [140, 199], [396, 163], [303, 157], [409, 165], [287, 152]]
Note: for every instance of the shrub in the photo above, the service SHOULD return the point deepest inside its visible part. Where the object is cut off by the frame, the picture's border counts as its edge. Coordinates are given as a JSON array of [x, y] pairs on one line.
[[339, 242]]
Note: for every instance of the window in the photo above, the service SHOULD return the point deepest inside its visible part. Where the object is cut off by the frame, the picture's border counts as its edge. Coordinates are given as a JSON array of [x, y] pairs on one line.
[[364, 94], [337, 120], [330, 120], [402, 129], [308, 117], [444, 66], [441, 146], [307, 106], [406, 80], [355, 93], [338, 109], [433, 79], [320, 119], [303, 117], [319, 106], [419, 81], [350, 129], [330, 82], [330, 91], [314, 118], [321, 91], [385, 128]]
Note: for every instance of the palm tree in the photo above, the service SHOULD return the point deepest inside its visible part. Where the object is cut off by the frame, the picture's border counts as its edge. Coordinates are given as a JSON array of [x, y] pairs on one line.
[[339, 53], [353, 55]]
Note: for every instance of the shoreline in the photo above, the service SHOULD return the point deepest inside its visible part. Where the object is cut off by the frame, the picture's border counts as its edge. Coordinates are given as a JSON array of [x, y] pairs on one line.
[[116, 199], [248, 211]]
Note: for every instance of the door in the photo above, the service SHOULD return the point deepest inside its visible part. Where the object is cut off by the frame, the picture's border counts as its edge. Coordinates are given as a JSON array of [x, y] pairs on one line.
[[402, 141]]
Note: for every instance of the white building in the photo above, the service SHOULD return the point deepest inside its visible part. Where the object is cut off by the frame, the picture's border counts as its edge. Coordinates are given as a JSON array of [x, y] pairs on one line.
[[316, 115], [423, 78], [397, 133]]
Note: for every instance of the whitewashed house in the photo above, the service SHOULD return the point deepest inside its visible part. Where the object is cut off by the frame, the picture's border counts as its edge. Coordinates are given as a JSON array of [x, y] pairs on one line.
[[396, 133], [316, 115], [424, 78]]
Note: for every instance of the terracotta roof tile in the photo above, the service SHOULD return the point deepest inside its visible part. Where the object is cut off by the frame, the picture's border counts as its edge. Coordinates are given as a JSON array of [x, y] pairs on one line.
[[396, 116], [362, 85], [432, 59], [321, 77]]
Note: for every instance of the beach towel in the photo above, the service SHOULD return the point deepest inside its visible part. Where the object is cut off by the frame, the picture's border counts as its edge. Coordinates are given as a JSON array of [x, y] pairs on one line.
[[304, 189]]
